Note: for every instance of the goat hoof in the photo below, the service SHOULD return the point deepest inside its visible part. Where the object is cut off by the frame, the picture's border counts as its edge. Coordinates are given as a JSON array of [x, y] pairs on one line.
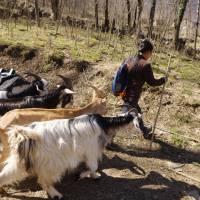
[[96, 177]]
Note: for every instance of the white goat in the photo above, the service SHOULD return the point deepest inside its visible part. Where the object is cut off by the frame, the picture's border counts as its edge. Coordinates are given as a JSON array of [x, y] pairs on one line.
[[49, 149]]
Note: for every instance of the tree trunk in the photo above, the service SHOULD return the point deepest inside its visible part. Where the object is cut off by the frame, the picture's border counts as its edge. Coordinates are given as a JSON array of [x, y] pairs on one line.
[[44, 3], [55, 6], [37, 17], [139, 8], [113, 28], [182, 4], [96, 10], [129, 14], [151, 18], [84, 8], [106, 26], [197, 26], [134, 20]]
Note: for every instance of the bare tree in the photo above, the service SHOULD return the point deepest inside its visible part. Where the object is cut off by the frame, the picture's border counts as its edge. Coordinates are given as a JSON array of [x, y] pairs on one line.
[[44, 3], [56, 9], [134, 19], [182, 4], [139, 9], [197, 25], [106, 26], [96, 10], [151, 18], [113, 28], [37, 13], [129, 14]]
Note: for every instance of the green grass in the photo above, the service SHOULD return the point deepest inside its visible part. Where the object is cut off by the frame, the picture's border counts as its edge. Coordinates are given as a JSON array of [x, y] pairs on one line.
[[82, 44], [176, 138], [93, 46]]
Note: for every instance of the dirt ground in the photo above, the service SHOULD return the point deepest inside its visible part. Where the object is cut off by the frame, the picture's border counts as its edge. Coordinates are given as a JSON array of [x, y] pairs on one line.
[[131, 171]]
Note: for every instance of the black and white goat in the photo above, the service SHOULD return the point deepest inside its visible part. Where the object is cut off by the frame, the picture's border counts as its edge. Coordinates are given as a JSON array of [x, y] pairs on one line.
[[62, 95], [49, 149], [6, 74], [10, 79], [36, 87]]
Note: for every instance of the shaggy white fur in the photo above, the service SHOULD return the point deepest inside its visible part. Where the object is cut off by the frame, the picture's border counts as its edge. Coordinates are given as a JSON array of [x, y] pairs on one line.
[[49, 149], [58, 148]]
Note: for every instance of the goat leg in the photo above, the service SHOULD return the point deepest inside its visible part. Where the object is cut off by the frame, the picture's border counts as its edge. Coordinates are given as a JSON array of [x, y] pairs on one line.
[[52, 192], [12, 172], [92, 164]]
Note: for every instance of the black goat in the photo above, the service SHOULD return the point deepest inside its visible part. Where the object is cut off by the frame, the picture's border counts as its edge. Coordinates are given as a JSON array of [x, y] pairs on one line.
[[62, 95]]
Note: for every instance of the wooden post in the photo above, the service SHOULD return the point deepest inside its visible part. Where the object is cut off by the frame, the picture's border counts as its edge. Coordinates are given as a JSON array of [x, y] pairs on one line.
[[160, 103]]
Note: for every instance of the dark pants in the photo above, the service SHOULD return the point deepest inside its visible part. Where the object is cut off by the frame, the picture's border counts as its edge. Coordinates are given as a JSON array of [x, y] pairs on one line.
[[127, 106]]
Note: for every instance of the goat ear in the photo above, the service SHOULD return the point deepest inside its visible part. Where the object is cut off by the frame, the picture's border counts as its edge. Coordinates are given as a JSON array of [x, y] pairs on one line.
[[68, 91]]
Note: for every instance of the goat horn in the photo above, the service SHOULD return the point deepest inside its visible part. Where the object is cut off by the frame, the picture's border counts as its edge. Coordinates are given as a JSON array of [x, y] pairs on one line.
[[34, 75], [133, 110], [68, 91], [99, 93]]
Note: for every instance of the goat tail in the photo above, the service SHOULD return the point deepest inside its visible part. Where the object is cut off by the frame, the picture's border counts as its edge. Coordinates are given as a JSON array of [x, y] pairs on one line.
[[27, 139], [26, 133], [4, 141]]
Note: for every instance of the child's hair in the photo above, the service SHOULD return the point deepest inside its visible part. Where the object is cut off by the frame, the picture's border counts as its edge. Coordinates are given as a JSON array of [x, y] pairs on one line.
[[145, 46]]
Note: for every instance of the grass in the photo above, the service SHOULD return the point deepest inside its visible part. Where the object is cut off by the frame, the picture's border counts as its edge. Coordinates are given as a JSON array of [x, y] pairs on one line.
[[93, 46], [176, 138], [79, 43]]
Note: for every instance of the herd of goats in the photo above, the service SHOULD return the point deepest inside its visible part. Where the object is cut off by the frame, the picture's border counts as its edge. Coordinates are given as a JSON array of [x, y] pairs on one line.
[[39, 139]]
